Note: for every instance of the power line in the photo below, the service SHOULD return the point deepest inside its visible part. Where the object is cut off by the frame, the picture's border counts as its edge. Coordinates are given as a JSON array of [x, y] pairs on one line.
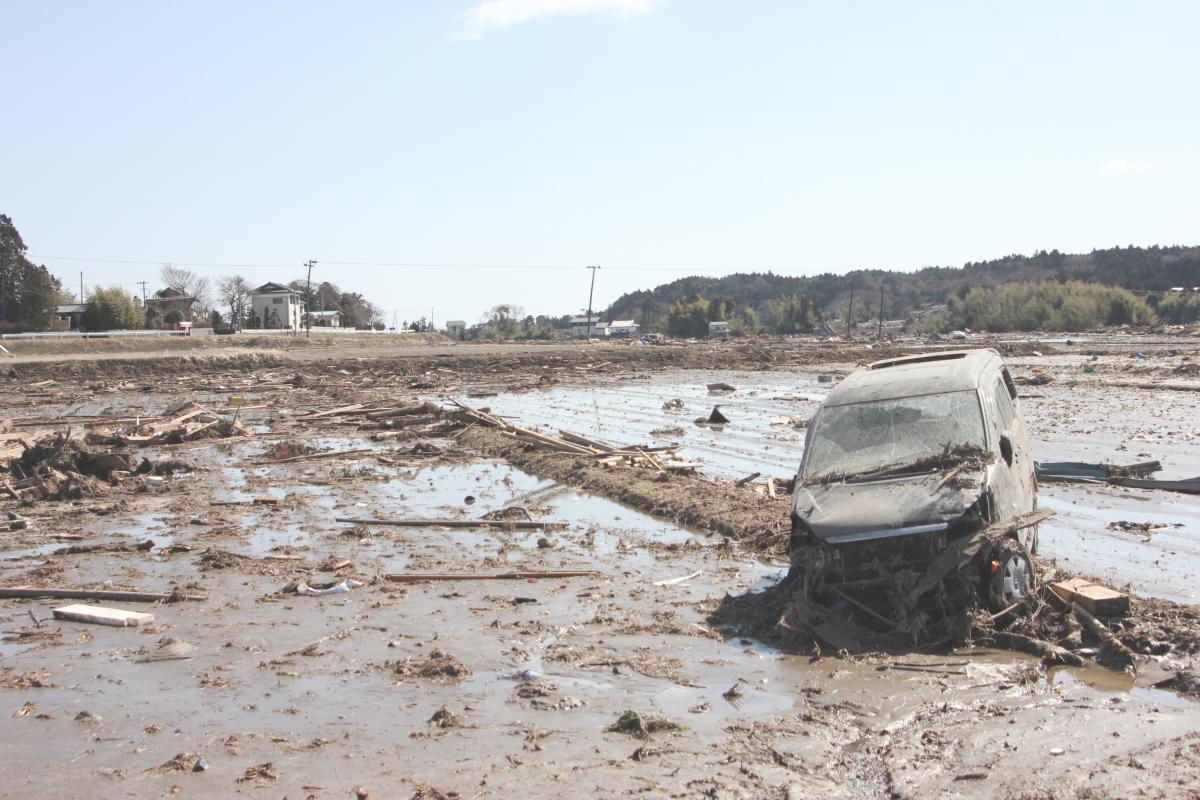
[[401, 264]]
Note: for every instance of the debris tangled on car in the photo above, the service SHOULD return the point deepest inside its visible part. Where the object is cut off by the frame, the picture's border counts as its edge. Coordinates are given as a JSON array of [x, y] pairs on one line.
[[914, 509]]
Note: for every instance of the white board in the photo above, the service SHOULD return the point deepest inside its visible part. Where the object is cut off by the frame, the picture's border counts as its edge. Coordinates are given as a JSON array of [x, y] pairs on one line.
[[103, 616]]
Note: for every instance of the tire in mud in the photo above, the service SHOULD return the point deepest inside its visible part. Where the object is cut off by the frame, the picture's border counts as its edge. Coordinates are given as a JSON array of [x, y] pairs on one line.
[[1013, 579]]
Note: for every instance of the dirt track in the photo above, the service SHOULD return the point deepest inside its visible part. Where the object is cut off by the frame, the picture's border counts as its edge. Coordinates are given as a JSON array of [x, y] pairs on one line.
[[340, 692]]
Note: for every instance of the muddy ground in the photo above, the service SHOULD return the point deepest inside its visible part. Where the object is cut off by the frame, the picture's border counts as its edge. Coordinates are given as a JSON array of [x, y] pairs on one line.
[[498, 687]]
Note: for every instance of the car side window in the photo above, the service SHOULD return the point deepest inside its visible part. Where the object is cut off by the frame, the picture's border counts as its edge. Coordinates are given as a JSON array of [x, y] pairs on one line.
[[1004, 405]]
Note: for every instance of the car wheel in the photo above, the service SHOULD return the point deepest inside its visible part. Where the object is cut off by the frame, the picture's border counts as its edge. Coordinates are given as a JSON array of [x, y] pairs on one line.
[[1012, 575]]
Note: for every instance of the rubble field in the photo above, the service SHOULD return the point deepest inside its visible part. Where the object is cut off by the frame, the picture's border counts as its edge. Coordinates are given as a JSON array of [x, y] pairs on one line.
[[548, 570]]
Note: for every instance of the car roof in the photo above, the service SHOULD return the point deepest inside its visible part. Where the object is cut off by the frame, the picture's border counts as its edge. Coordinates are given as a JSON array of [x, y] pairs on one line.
[[911, 376]]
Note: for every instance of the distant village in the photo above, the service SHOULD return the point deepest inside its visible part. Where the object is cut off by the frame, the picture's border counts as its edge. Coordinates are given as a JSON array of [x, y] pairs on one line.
[[279, 307]]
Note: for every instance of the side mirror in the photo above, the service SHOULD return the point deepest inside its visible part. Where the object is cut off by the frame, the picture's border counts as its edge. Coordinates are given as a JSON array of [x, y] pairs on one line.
[[1006, 448]]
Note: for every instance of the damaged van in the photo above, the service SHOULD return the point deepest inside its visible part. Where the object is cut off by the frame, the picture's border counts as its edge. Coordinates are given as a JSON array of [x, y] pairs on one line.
[[916, 498]]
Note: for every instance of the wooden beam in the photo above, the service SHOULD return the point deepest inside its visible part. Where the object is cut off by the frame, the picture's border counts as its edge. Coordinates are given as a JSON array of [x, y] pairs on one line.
[[419, 577], [89, 594], [513, 524]]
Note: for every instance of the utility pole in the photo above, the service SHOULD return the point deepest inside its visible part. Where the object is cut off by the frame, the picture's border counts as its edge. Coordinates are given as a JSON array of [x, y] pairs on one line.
[[850, 315], [81, 288], [308, 299], [588, 332], [879, 335], [143, 285]]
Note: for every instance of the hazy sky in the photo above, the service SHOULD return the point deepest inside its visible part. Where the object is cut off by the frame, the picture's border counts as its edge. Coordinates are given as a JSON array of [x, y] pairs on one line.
[[800, 137]]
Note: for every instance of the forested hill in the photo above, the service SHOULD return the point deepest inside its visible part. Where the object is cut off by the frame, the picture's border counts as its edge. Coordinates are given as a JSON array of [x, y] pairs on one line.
[[1139, 268]]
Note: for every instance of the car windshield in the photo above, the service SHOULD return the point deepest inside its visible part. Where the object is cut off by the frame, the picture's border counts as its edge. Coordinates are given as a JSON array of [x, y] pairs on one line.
[[884, 435]]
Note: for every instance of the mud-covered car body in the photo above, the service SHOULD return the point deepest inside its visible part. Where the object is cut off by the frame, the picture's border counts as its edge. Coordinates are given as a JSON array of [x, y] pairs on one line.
[[903, 458]]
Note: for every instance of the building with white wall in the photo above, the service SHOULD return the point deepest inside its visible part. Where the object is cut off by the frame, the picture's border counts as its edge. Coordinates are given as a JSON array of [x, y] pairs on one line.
[[277, 306]]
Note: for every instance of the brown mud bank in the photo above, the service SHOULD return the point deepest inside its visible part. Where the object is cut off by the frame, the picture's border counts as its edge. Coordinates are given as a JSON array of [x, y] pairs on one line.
[[759, 523], [520, 364]]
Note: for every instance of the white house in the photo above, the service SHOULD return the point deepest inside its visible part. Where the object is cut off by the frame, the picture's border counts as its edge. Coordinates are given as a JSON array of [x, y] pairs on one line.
[[277, 306], [718, 328], [622, 327], [327, 319], [456, 328], [580, 330]]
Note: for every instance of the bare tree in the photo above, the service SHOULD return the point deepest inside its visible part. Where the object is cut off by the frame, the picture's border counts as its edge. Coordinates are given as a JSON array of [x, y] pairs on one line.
[[188, 282], [234, 291]]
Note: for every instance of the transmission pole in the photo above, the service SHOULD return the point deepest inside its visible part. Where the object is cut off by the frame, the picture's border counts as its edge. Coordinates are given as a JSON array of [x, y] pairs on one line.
[[588, 332], [143, 285], [308, 300], [850, 315], [879, 335]]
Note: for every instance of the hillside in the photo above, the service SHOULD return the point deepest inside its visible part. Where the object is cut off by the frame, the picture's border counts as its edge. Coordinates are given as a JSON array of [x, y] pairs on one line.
[[1138, 268]]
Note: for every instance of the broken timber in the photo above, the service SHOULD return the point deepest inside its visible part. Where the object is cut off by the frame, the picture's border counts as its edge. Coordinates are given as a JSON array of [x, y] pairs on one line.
[[963, 550], [89, 594], [518, 524], [311, 457], [419, 577]]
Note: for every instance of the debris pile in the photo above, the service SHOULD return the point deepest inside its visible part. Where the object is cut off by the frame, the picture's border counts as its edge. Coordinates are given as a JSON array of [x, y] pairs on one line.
[[186, 423], [440, 667], [58, 467]]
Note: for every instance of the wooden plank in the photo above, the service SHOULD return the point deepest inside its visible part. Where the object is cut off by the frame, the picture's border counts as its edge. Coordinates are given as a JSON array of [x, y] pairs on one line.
[[512, 524], [333, 412], [312, 457], [575, 438], [97, 594], [1096, 599], [103, 616], [418, 577]]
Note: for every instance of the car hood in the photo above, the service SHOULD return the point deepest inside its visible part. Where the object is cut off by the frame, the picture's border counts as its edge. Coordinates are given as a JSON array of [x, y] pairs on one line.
[[846, 512]]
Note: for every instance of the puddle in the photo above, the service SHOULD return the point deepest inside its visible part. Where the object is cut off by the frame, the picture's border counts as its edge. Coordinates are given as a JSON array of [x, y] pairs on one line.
[[1163, 564], [628, 413]]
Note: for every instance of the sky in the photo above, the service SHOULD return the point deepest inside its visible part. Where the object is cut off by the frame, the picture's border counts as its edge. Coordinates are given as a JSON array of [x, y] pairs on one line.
[[444, 156]]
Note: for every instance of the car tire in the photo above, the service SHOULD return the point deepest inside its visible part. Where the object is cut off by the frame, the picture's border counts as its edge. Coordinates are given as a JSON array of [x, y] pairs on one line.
[[1012, 577]]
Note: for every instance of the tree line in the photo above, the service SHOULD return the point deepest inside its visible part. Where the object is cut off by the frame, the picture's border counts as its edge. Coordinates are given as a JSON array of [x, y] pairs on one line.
[[1150, 271], [29, 295]]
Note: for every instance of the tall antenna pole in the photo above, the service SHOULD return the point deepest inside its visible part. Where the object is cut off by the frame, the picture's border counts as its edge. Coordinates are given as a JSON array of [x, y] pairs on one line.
[[143, 285], [308, 299], [81, 288], [591, 289]]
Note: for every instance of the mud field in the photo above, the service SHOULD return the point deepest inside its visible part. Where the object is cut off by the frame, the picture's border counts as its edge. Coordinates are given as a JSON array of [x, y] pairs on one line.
[[299, 656]]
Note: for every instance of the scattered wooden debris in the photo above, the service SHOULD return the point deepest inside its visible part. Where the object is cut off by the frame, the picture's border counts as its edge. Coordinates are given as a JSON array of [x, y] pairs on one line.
[[189, 423]]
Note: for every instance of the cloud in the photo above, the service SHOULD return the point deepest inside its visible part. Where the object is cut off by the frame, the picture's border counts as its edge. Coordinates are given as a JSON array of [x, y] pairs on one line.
[[1126, 165], [502, 13]]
